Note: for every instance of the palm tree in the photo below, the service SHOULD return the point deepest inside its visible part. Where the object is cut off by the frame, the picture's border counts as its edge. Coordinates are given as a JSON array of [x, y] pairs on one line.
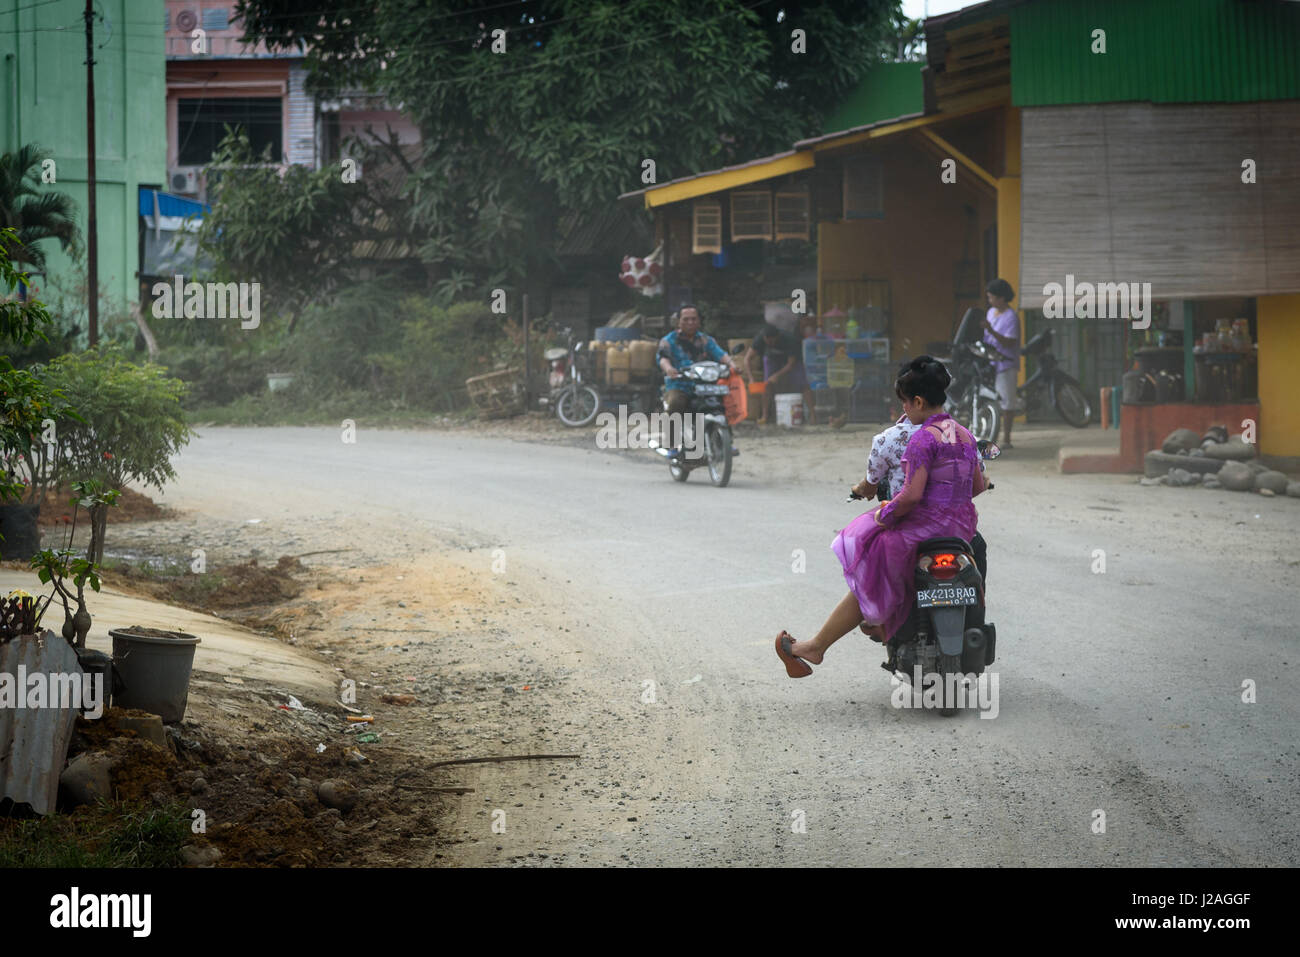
[[34, 211]]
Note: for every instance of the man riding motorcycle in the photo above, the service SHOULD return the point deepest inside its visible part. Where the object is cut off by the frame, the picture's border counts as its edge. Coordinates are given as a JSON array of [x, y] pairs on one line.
[[681, 347]]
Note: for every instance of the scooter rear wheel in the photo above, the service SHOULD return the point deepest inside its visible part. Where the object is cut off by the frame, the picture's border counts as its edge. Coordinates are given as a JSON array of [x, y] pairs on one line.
[[949, 665]]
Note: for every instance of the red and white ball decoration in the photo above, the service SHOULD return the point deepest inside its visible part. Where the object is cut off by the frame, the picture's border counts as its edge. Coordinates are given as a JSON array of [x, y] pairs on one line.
[[645, 275]]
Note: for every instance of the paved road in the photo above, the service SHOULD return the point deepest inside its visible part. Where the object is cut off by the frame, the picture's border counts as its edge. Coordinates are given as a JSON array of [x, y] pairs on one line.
[[1120, 692]]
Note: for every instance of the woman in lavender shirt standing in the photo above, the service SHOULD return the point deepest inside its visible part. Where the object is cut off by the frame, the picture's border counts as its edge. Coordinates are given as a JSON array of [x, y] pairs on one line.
[[1002, 334]]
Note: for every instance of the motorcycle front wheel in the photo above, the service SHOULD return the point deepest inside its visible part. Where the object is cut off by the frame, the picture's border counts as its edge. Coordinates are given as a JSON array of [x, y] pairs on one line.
[[1071, 403], [577, 406], [717, 449]]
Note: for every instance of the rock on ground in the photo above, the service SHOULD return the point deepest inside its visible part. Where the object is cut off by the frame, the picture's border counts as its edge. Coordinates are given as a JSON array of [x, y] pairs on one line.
[[337, 794], [1234, 449], [86, 778], [1275, 482], [194, 856], [149, 727], [1159, 463], [1180, 440], [1236, 477]]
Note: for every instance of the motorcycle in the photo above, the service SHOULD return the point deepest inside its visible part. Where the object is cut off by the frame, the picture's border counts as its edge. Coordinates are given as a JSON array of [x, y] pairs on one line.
[[973, 396], [1048, 381], [708, 382], [945, 634], [575, 403]]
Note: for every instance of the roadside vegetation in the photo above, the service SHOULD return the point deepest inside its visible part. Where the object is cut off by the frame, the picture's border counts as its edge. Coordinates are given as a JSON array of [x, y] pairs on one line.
[[109, 835]]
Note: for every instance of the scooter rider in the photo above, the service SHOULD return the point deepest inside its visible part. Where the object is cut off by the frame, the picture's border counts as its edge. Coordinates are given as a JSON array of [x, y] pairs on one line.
[[681, 347], [885, 474]]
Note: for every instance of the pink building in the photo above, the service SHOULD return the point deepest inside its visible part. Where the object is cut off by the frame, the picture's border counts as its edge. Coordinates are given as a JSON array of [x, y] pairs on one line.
[[213, 79]]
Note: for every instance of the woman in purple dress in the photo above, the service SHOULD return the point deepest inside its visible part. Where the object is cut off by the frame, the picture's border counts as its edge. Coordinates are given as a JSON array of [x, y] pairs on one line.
[[878, 548]]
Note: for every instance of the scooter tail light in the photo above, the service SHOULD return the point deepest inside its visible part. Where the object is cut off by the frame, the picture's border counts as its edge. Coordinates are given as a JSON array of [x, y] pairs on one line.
[[944, 565]]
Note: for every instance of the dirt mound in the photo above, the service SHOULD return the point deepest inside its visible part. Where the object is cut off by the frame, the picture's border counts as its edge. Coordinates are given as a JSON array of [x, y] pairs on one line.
[[245, 585], [131, 507]]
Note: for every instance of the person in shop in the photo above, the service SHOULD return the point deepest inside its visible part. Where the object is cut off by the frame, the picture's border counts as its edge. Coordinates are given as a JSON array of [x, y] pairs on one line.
[[1002, 334], [877, 550], [781, 354]]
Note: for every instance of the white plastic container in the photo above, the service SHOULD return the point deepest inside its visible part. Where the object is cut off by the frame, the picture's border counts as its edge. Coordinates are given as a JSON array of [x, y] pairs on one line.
[[789, 409]]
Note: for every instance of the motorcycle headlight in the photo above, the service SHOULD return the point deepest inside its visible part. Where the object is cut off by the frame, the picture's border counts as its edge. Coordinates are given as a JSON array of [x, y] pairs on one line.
[[707, 373]]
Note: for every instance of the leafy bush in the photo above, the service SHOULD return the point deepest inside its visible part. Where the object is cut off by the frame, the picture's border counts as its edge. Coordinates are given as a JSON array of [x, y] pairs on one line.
[[410, 349], [129, 424], [217, 375]]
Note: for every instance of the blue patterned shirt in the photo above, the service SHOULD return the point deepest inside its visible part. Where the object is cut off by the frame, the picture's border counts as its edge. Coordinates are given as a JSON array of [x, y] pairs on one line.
[[681, 353]]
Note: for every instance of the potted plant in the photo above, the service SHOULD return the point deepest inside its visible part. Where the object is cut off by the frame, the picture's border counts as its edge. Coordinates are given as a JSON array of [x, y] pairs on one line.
[[67, 572]]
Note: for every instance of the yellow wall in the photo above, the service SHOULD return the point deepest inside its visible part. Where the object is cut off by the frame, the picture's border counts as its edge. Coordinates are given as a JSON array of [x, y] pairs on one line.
[[1278, 324], [1009, 216], [923, 234]]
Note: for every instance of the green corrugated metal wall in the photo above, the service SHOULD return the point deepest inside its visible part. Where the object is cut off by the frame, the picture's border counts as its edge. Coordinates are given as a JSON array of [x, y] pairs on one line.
[[1164, 51], [888, 90]]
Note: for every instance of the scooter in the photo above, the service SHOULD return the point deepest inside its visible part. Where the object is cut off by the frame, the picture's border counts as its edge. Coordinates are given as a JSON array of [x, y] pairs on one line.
[[708, 383], [945, 634]]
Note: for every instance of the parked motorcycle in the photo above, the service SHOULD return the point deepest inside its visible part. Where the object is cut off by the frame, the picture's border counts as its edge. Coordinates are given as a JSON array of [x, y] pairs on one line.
[[1048, 381], [945, 632], [972, 395], [575, 403], [708, 382]]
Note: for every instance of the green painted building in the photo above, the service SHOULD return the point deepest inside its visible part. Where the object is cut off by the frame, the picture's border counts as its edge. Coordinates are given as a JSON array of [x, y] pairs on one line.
[[43, 101]]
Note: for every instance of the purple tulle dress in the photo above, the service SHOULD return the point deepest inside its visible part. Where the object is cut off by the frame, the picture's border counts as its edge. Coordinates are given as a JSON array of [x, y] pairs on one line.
[[878, 560]]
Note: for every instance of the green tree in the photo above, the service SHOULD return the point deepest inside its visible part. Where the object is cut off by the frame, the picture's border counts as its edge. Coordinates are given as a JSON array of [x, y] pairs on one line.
[[33, 211], [292, 231], [25, 401], [583, 94], [129, 426]]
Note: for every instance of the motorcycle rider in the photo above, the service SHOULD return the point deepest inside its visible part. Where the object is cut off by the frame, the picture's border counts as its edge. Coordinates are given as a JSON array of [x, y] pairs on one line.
[[877, 550], [886, 474], [681, 347]]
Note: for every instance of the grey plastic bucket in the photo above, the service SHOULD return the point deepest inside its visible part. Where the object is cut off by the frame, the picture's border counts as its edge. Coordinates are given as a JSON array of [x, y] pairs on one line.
[[154, 669]]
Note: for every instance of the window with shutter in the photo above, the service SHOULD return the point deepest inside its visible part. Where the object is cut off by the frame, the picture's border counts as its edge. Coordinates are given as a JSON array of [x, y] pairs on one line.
[[751, 214], [864, 191], [706, 226], [792, 216]]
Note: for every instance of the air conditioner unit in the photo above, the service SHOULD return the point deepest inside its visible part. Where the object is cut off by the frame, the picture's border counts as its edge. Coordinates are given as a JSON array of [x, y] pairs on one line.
[[184, 179]]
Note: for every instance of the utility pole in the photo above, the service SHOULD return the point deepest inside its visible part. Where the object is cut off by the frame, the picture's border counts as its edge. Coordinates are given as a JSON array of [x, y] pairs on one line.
[[92, 224]]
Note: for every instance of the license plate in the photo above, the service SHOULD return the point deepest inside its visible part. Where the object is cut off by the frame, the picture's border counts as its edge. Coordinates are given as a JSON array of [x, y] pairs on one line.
[[712, 390], [953, 597]]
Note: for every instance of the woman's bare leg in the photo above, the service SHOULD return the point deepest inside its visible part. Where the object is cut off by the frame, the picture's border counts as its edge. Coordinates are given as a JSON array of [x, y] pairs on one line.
[[842, 620]]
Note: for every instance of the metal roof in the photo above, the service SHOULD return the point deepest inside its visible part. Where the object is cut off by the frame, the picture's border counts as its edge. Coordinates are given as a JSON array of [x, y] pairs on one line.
[[817, 140], [713, 172]]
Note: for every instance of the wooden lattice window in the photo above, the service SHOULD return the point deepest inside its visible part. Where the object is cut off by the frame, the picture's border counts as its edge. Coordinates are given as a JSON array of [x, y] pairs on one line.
[[751, 214], [706, 226], [792, 215], [864, 190]]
